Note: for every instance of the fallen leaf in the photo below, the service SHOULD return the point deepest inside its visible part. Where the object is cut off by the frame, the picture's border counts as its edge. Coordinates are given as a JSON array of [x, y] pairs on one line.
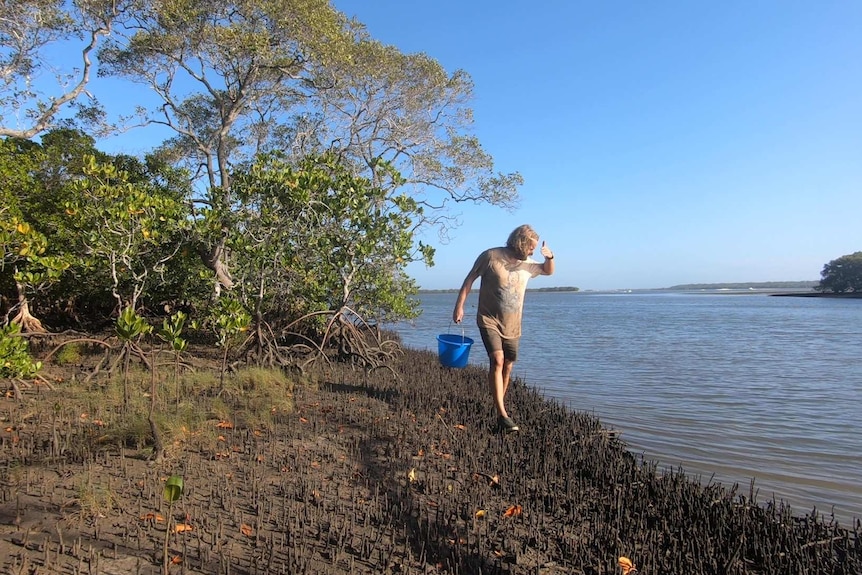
[[411, 475], [459, 426], [303, 420], [513, 511], [481, 513], [176, 560], [626, 565], [182, 527], [246, 530], [224, 425]]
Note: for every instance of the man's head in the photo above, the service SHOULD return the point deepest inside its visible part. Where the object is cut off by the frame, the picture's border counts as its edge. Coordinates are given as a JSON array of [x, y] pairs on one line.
[[523, 241]]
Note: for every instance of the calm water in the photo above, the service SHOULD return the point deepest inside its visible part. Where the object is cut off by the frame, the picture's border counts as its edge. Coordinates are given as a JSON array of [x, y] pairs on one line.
[[740, 386]]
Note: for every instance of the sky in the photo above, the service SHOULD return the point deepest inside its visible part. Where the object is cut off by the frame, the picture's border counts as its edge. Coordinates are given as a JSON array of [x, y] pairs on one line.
[[661, 143]]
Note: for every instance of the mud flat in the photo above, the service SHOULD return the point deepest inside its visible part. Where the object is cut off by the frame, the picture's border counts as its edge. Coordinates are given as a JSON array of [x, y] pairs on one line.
[[385, 473]]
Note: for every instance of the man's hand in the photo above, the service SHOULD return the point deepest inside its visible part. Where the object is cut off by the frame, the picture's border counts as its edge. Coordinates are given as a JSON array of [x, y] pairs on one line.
[[458, 314], [546, 251]]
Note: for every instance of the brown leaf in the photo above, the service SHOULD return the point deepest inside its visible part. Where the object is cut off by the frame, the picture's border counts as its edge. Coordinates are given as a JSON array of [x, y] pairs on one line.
[[224, 425], [183, 527], [513, 511], [626, 565], [176, 560], [460, 426], [246, 530]]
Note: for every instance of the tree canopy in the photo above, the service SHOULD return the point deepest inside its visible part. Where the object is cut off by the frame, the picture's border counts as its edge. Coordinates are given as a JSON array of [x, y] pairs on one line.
[[304, 158], [842, 275]]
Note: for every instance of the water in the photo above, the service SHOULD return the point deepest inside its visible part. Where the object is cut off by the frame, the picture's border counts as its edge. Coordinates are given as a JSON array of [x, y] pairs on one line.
[[732, 387]]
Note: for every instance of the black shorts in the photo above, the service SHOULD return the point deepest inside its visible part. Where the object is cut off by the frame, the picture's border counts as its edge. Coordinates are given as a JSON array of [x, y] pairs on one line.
[[495, 342]]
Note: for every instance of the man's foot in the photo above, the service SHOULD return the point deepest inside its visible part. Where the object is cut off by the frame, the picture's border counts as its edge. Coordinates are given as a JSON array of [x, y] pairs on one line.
[[506, 424]]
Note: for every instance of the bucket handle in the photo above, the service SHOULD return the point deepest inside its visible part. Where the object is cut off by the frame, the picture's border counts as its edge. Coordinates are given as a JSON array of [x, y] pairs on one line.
[[449, 330]]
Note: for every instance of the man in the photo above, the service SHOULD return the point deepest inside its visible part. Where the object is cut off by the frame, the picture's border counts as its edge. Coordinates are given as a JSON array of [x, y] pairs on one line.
[[504, 272]]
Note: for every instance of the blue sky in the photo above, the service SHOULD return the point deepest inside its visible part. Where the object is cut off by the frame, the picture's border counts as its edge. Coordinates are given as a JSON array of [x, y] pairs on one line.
[[660, 142]]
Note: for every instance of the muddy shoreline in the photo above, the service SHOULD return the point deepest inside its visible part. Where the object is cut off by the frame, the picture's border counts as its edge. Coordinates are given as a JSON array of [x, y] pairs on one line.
[[378, 473]]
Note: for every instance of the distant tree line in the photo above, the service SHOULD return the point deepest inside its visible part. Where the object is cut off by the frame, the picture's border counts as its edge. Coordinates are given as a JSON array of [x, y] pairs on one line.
[[755, 285]]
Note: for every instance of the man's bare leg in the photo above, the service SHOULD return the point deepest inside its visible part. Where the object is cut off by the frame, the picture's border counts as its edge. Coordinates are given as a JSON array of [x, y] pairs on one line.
[[496, 381], [507, 375]]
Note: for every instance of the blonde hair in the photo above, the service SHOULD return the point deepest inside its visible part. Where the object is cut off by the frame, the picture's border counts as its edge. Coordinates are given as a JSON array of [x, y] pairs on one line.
[[520, 238]]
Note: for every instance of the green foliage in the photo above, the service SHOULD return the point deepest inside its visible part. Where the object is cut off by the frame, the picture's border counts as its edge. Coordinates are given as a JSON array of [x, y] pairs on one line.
[[316, 237], [173, 488], [130, 326], [172, 330], [228, 318], [15, 360], [842, 275], [127, 230]]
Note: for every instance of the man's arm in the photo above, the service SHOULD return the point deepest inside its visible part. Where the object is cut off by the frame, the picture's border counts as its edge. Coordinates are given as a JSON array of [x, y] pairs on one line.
[[458, 312], [548, 265]]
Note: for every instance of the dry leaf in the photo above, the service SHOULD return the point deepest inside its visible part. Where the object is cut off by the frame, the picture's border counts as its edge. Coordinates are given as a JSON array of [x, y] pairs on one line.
[[493, 480], [303, 420], [626, 565], [411, 475], [224, 425], [221, 438], [182, 527], [481, 513], [246, 530], [513, 511], [459, 426], [176, 560]]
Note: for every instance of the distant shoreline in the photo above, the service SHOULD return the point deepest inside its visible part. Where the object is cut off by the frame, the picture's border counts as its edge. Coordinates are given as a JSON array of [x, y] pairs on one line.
[[786, 285], [852, 295]]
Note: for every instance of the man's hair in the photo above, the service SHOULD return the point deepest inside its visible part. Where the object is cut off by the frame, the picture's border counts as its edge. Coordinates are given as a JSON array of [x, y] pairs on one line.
[[520, 238]]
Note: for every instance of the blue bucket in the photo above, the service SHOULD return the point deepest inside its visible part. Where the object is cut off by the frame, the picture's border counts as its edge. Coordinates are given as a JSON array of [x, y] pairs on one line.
[[454, 350]]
